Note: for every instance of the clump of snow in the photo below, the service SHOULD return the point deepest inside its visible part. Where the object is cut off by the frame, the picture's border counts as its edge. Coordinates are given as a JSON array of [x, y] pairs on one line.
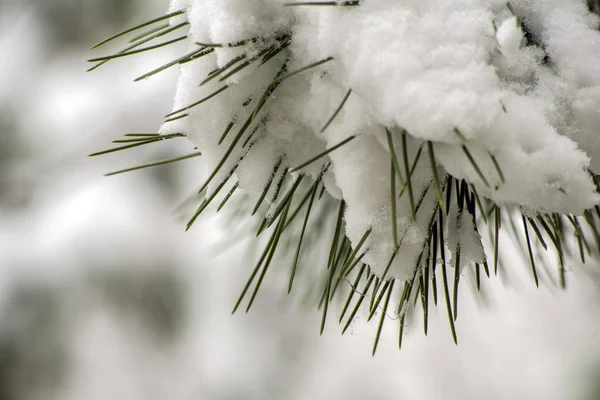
[[486, 84], [509, 36], [464, 240]]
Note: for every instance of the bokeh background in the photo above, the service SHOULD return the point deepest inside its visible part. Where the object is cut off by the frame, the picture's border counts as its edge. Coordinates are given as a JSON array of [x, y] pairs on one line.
[[104, 296]]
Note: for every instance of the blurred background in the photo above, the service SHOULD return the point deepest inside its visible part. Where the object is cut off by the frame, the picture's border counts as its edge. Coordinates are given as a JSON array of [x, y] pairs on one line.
[[104, 296]]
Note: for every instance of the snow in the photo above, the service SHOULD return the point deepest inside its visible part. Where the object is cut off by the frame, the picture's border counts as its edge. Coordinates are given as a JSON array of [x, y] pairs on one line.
[[463, 237], [509, 36], [462, 74]]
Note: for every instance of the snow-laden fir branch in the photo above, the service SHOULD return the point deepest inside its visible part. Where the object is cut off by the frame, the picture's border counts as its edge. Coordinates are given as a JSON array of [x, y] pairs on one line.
[[423, 118]]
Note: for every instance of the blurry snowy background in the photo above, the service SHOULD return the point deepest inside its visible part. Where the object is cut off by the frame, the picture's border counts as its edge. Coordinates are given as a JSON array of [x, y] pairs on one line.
[[103, 295]]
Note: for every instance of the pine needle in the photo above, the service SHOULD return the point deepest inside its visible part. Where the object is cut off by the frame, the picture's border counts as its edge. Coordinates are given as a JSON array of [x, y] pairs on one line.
[[531, 257], [210, 198], [155, 163], [267, 186], [336, 234], [589, 218], [313, 193], [284, 203], [145, 137], [148, 33], [497, 166], [456, 280], [307, 67], [425, 289], [327, 297], [436, 178], [382, 317], [141, 42], [496, 237], [539, 235], [337, 111], [358, 303], [393, 156], [278, 232], [202, 100], [143, 25], [324, 3], [471, 159], [226, 131], [323, 154], [434, 244], [350, 259], [250, 61], [375, 303], [445, 275], [129, 146], [265, 253], [142, 50], [224, 68], [353, 290], [192, 55], [478, 202], [233, 189], [181, 116], [233, 44], [411, 172], [408, 179], [475, 166]]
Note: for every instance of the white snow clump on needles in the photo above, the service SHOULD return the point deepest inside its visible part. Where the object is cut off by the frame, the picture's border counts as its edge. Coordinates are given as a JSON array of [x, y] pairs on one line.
[[484, 82]]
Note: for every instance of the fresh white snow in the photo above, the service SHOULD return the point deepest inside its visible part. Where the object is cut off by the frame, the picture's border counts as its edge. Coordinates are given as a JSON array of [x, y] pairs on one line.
[[460, 74]]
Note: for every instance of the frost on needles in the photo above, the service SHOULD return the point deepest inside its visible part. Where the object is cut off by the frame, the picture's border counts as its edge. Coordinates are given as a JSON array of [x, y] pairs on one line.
[[424, 121]]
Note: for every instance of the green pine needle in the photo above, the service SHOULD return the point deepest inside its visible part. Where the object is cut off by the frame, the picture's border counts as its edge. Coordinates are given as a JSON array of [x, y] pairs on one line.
[[530, 251], [233, 44], [192, 55], [323, 154], [226, 131], [497, 219], [224, 68], [141, 42], [434, 260], [445, 274], [408, 173], [358, 303], [436, 178], [206, 98], [137, 51], [180, 116], [375, 303], [355, 251], [262, 258], [143, 25], [456, 280], [353, 290], [278, 232], [337, 111], [129, 146], [324, 3], [313, 193], [305, 68], [148, 33], [267, 187], [497, 166], [287, 200], [156, 163], [382, 317], [233, 189]]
